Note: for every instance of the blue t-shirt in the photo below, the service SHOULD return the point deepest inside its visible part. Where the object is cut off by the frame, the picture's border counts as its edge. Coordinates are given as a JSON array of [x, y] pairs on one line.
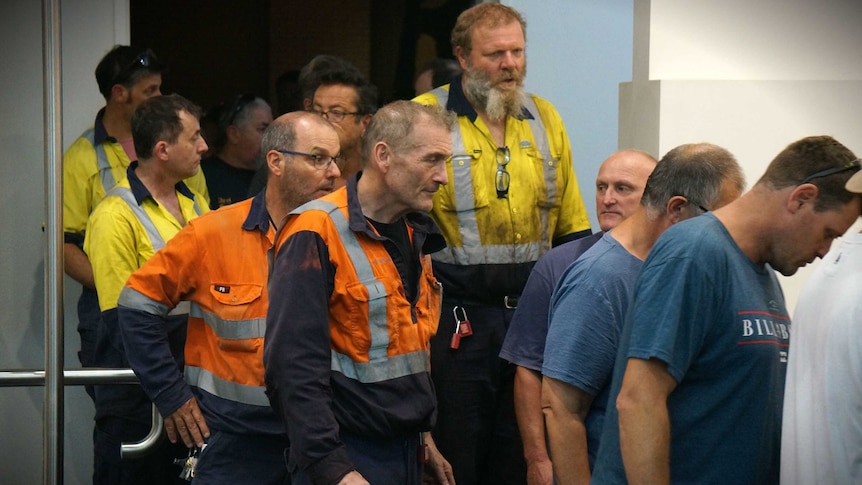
[[525, 340], [720, 323], [587, 314]]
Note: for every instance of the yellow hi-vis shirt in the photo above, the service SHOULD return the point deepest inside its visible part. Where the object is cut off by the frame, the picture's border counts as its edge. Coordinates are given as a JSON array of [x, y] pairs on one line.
[[543, 202], [118, 242], [92, 165]]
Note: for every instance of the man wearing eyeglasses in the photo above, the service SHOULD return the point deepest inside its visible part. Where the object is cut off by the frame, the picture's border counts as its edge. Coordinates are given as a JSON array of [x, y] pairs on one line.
[[97, 160], [236, 128], [699, 377], [347, 100], [513, 195], [589, 305], [219, 264], [353, 305]]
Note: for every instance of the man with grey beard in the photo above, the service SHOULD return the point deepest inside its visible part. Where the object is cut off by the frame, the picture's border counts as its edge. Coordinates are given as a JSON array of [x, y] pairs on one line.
[[512, 194]]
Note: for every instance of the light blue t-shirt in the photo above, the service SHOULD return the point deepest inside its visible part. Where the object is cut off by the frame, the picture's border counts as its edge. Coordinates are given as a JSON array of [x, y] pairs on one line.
[[587, 313], [719, 322]]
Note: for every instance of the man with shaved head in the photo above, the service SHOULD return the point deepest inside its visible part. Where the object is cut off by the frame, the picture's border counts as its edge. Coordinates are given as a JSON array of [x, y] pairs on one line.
[[619, 186]]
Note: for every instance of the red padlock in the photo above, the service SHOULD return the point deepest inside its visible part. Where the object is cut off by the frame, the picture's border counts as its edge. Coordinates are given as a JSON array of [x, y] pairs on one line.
[[456, 341], [462, 324]]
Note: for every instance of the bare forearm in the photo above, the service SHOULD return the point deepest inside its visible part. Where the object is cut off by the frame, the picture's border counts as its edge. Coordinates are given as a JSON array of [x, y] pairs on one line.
[[567, 434], [531, 423], [77, 265], [644, 421], [528, 410], [645, 444]]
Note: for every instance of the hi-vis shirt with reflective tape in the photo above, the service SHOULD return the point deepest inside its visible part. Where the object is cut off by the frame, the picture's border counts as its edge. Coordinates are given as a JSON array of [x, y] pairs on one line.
[[102, 161], [156, 239], [224, 329], [471, 250], [380, 366], [201, 378]]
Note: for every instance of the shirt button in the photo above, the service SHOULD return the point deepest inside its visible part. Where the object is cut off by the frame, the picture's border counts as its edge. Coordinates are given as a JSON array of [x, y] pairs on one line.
[[461, 162], [514, 210], [233, 299], [518, 236]]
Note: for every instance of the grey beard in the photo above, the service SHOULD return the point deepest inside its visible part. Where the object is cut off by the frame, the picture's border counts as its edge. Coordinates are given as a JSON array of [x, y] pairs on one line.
[[497, 104]]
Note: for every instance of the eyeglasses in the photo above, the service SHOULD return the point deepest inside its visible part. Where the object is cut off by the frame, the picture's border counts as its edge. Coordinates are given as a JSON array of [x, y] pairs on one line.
[[320, 162], [688, 199], [146, 59], [503, 178], [239, 104], [335, 115], [853, 165]]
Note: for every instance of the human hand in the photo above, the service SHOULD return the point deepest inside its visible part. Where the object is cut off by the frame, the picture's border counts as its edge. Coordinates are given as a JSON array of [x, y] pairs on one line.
[[187, 423], [438, 470], [353, 478], [540, 472]]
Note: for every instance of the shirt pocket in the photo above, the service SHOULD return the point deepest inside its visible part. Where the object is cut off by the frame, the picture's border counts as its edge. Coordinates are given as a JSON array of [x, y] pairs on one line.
[[546, 170], [236, 318], [467, 189]]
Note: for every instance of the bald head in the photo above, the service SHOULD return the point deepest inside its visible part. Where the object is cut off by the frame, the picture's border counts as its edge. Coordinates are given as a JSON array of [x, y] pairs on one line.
[[620, 185], [297, 147]]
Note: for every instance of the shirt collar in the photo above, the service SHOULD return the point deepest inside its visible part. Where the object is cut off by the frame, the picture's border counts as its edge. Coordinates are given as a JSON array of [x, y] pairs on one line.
[[100, 134], [140, 191], [461, 106], [258, 216], [419, 222]]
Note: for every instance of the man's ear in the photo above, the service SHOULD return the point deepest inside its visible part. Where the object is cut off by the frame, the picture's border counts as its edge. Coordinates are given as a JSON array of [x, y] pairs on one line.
[[801, 195], [232, 133], [364, 122], [160, 151], [119, 93], [675, 207], [461, 55], [275, 163], [382, 156]]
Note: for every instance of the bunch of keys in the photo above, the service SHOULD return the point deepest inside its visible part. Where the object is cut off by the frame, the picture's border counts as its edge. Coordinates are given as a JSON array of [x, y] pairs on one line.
[[189, 463], [462, 327]]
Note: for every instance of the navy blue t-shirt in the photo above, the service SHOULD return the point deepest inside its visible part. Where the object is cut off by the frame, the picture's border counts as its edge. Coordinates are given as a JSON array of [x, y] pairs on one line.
[[719, 322]]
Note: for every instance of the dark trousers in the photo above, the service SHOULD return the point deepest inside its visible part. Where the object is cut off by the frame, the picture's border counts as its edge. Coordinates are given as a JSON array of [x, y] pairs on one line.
[[229, 459], [156, 468], [380, 461], [89, 315], [476, 428]]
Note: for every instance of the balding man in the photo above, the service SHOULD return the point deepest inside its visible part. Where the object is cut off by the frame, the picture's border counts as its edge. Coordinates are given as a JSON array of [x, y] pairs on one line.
[[619, 186], [589, 305], [219, 264]]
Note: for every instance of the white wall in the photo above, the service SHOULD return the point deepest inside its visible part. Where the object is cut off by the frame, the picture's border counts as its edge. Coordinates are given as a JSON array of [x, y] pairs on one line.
[[89, 29], [578, 51], [750, 76]]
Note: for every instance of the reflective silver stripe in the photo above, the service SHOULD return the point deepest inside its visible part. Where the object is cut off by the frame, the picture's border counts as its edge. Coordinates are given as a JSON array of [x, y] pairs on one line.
[[132, 298], [231, 329], [494, 254], [125, 193], [549, 163], [391, 368], [105, 173], [128, 197], [182, 308], [206, 380], [462, 178], [362, 266]]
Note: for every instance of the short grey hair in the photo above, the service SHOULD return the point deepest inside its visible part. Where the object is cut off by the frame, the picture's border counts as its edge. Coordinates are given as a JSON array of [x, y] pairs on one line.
[[695, 171], [393, 125]]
